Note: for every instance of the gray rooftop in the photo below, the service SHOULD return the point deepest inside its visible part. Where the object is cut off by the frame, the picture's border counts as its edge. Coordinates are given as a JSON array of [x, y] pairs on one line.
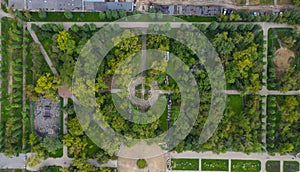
[[54, 5], [103, 6], [189, 10], [16, 4]]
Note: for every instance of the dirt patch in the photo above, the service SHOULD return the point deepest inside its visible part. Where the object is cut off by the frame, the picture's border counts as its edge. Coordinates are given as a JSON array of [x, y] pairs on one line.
[[282, 60], [282, 2]]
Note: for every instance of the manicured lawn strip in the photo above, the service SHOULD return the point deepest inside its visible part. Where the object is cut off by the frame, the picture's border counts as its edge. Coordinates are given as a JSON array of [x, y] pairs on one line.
[[245, 165], [214, 165], [185, 164], [290, 166], [77, 17], [236, 103], [271, 166], [197, 18], [94, 17], [266, 2]]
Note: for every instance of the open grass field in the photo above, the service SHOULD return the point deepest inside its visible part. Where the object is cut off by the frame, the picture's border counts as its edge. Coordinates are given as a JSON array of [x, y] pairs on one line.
[[273, 166], [214, 165], [185, 164], [245, 165]]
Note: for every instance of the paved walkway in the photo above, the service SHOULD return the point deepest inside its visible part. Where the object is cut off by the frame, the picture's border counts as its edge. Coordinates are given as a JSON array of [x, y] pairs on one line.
[[12, 163]]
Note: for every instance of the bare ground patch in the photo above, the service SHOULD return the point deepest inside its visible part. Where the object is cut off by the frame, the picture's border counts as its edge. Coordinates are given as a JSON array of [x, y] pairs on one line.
[[282, 60]]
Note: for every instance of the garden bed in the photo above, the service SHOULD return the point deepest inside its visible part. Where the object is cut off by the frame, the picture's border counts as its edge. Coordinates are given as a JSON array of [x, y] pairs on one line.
[[214, 165]]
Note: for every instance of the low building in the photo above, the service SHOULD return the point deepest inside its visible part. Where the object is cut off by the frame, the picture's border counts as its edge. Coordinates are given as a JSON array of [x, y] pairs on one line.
[[47, 118], [47, 5], [189, 10], [104, 6]]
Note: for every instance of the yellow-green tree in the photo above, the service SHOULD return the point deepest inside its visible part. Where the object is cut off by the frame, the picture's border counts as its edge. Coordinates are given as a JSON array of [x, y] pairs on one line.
[[47, 84], [62, 40]]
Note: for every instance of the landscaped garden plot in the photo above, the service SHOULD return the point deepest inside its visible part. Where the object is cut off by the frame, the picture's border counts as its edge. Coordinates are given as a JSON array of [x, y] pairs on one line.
[[185, 164], [283, 59], [214, 165], [290, 166], [273, 166], [282, 124], [245, 165]]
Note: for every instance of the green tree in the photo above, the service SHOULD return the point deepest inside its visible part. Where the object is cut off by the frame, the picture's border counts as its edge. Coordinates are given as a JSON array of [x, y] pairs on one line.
[[68, 14], [102, 16], [51, 144], [42, 14]]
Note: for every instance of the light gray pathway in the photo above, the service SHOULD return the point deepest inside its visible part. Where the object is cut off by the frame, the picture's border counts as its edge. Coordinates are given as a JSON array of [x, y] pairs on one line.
[[12, 163], [65, 128]]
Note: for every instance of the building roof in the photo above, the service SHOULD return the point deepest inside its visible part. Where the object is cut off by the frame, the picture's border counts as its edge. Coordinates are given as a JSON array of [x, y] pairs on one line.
[[103, 6], [70, 5], [188, 10]]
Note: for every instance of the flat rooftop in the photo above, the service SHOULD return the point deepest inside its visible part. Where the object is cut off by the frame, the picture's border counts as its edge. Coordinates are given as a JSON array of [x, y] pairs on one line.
[[54, 5], [103, 6]]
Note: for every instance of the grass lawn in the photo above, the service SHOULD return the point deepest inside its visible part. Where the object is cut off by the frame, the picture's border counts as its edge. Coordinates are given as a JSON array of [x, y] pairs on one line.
[[214, 165], [59, 16], [58, 154], [242, 2], [236, 103], [273, 166], [185, 164], [245, 165], [290, 166], [197, 18], [92, 148], [266, 2], [261, 2]]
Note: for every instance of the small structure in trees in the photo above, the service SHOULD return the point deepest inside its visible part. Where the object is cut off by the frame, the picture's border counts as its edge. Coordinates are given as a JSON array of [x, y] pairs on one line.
[[46, 118]]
